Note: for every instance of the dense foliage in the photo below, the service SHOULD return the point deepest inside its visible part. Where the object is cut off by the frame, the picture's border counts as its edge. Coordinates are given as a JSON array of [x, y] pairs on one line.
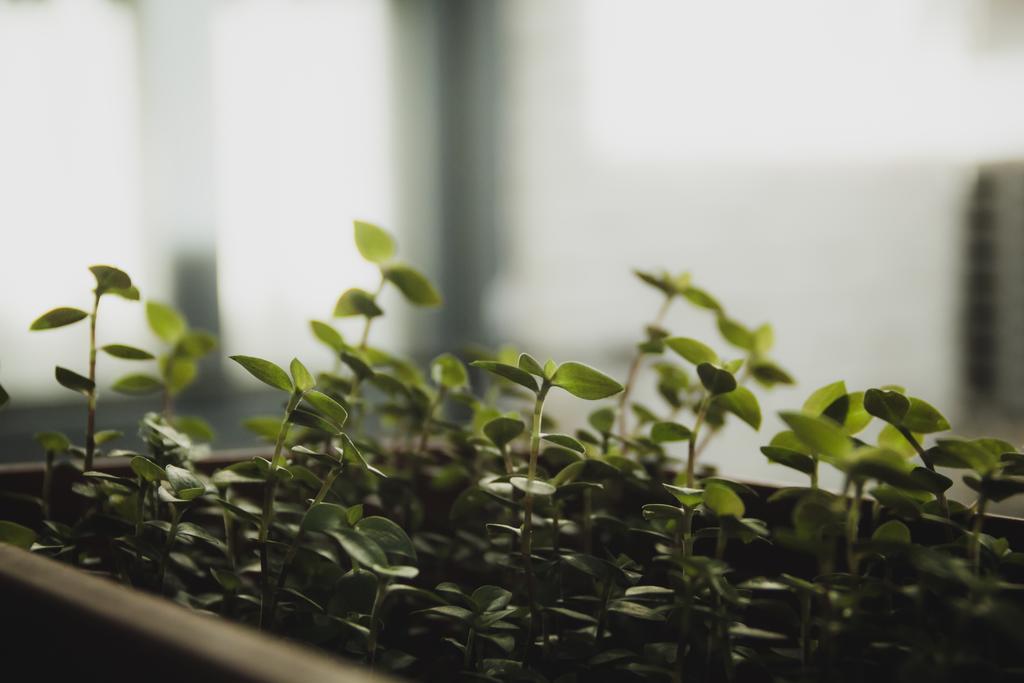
[[441, 533]]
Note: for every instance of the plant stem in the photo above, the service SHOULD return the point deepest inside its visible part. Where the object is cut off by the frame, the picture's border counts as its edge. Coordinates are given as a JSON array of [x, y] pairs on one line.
[[431, 409], [943, 503], [688, 532], [852, 527], [90, 425], [588, 522], [720, 541], [369, 321], [602, 616], [979, 520], [293, 547], [467, 659], [634, 370], [47, 484], [527, 540], [268, 510], [371, 641], [171, 534], [691, 461]]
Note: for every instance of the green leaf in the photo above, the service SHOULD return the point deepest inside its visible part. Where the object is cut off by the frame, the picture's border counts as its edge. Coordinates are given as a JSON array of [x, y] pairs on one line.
[[351, 453], [391, 538], [16, 535], [147, 469], [536, 487], [892, 438], [971, 454], [735, 333], [687, 497], [109, 278], [300, 376], [723, 501], [602, 419], [820, 434], [137, 384], [361, 548], [165, 322], [179, 373], [893, 531], [53, 442], [357, 301], [922, 418], [698, 297], [327, 334], [584, 381], [491, 598], [660, 281], [856, 418], [769, 373], [509, 372], [374, 242], [503, 430], [126, 352], [106, 435], [196, 428], [692, 350], [530, 364], [889, 406], [74, 381], [822, 398], [129, 293], [182, 480], [448, 371], [413, 285], [357, 364], [743, 404], [663, 432], [265, 371], [195, 344], [790, 458], [716, 380], [764, 340], [565, 441], [333, 411], [58, 317], [325, 517]]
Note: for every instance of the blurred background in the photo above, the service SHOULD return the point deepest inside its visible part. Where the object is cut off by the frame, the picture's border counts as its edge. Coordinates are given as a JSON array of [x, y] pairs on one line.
[[849, 171]]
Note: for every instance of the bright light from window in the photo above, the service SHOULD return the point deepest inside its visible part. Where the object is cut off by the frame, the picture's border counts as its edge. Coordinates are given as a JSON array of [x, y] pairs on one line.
[[68, 178], [302, 128], [797, 80]]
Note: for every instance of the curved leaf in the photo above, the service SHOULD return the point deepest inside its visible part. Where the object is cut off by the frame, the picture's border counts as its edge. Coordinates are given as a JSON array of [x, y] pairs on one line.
[[584, 381], [265, 371], [374, 242]]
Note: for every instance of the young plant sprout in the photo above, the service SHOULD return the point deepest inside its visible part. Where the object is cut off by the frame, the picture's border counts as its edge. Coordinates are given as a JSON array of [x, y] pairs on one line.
[[109, 280], [177, 366], [414, 521]]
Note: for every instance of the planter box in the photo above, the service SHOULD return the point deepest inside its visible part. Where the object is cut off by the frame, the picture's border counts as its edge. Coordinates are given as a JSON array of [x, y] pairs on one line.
[[67, 618]]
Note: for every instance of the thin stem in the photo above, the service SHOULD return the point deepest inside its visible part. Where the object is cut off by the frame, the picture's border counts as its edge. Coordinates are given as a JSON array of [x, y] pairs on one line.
[[687, 532], [293, 546], [852, 527], [602, 616], [171, 534], [431, 409], [941, 496], [371, 641], [979, 520], [634, 370], [268, 510], [588, 522], [691, 461], [90, 426], [467, 658], [720, 541], [47, 484], [527, 540], [369, 321]]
